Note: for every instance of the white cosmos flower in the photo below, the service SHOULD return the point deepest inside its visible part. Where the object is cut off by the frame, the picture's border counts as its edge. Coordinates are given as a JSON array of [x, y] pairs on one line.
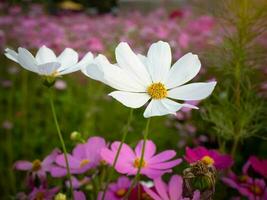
[[46, 63], [139, 79]]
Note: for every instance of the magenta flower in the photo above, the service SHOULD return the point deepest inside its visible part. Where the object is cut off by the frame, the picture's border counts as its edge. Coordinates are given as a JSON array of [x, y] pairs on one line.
[[209, 157], [84, 157], [253, 189], [172, 191], [38, 167], [128, 162], [260, 166], [43, 193], [116, 191]]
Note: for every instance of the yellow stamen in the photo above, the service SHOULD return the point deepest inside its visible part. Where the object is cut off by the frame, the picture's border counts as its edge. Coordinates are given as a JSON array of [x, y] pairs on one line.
[[121, 192], [36, 165], [84, 162], [243, 178], [137, 163], [256, 189], [39, 196], [207, 160], [157, 91]]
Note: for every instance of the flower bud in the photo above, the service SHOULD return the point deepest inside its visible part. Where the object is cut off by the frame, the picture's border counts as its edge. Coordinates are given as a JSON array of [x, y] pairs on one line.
[[76, 136], [60, 196]]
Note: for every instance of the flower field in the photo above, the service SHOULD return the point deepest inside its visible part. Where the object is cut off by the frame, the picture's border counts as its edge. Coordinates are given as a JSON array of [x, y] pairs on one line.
[[167, 104]]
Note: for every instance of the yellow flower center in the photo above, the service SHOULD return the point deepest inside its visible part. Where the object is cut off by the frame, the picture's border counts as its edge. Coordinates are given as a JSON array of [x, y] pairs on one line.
[[207, 160], [256, 189], [84, 162], [39, 196], [157, 91], [137, 163], [243, 178], [121, 192], [36, 165]]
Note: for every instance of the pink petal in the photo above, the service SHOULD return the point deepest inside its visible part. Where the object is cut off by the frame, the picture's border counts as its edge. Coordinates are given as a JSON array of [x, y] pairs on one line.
[[166, 165], [73, 162], [196, 195], [50, 159], [93, 148], [162, 157], [151, 193], [58, 171], [79, 152], [150, 149], [154, 173], [175, 187], [161, 188], [78, 195], [23, 165], [125, 152]]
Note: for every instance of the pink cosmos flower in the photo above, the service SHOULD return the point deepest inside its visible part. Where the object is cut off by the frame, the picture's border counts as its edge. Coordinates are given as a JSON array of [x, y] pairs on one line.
[[84, 157], [253, 189], [116, 191], [43, 193], [209, 157], [258, 165], [172, 191], [38, 167], [128, 162]]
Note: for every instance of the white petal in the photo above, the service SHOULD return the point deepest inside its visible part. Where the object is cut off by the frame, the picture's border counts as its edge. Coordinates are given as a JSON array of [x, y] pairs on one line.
[[121, 79], [88, 58], [161, 107], [159, 61], [27, 60], [11, 54], [130, 99], [45, 55], [129, 61], [185, 69], [94, 69], [68, 58], [193, 91], [143, 59], [48, 69]]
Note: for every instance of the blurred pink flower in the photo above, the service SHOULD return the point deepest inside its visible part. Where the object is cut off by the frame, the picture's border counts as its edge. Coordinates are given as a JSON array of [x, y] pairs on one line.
[[84, 157], [209, 157], [128, 162], [43, 193], [253, 189], [172, 191], [258, 165], [116, 190], [37, 167], [95, 45]]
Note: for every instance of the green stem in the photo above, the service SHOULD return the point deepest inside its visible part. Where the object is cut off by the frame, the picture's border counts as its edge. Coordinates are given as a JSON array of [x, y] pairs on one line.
[[234, 147], [124, 135], [136, 178], [62, 141]]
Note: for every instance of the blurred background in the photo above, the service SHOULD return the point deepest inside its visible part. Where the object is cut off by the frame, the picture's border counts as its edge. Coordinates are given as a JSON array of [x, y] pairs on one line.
[[214, 30]]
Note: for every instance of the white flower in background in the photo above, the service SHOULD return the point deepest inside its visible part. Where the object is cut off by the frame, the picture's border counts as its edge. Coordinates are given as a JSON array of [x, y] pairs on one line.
[[139, 79], [46, 63]]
